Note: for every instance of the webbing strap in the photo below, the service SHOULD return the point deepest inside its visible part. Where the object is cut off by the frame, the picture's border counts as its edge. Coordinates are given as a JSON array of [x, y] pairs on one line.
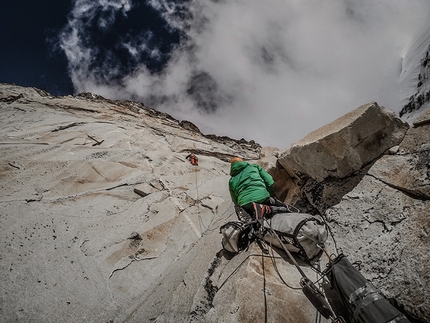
[[294, 236], [361, 292], [300, 224], [398, 319], [288, 253], [363, 297], [369, 299]]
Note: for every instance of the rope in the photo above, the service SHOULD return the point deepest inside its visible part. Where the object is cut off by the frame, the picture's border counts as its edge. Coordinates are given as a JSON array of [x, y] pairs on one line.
[[291, 208], [243, 261], [197, 189], [264, 287], [203, 228], [275, 266], [277, 271], [221, 218], [198, 206], [264, 278], [339, 251], [235, 270], [318, 315], [287, 252]]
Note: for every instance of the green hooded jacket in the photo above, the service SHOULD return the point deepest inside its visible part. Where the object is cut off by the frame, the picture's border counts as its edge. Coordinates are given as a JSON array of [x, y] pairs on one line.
[[249, 183]]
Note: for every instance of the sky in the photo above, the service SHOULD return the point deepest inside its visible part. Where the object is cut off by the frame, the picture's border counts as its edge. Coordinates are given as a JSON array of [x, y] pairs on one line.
[[270, 71]]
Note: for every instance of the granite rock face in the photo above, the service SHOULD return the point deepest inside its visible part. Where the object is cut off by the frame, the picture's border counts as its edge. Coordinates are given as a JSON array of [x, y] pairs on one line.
[[103, 219]]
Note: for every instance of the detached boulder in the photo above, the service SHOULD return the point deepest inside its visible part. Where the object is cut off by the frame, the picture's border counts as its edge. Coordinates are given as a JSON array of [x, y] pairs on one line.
[[344, 146], [331, 161]]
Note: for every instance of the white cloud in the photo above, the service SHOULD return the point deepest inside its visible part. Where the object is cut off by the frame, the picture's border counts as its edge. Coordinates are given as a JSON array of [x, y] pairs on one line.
[[271, 71]]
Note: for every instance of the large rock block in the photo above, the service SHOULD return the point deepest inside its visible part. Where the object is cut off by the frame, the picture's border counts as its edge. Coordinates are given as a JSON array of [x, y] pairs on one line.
[[344, 146]]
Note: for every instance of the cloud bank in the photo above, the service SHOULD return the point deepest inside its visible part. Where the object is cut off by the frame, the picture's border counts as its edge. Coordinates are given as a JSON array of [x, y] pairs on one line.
[[271, 71]]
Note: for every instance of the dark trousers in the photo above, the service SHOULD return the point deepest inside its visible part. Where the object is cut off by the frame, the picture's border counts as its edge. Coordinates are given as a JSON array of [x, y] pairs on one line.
[[276, 206]]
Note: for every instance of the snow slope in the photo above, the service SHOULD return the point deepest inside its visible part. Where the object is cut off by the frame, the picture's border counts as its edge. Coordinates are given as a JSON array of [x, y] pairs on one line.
[[414, 78]]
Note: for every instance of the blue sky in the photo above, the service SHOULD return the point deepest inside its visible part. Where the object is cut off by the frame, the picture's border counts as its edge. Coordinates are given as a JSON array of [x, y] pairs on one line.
[[271, 71], [31, 54], [26, 56]]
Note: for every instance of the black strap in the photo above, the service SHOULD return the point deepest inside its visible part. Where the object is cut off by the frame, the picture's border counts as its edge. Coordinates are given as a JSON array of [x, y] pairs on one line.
[[295, 234]]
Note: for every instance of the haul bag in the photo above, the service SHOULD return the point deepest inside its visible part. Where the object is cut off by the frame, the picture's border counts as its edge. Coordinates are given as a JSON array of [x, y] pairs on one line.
[[300, 233], [235, 236], [354, 298]]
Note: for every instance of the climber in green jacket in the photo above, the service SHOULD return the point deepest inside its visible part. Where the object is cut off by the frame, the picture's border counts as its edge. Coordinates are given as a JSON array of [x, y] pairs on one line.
[[249, 183]]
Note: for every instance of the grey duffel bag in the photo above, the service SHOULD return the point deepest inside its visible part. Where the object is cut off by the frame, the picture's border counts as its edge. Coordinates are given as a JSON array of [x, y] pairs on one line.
[[301, 233]]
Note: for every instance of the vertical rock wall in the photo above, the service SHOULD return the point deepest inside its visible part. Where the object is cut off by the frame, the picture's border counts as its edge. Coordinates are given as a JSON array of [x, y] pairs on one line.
[[103, 219]]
